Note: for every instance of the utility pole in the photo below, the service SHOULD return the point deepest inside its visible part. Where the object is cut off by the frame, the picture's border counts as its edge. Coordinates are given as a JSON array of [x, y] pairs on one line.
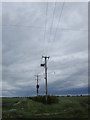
[[37, 86], [45, 65]]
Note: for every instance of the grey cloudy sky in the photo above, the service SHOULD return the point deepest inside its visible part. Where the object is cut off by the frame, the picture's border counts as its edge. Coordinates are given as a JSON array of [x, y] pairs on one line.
[[24, 43]]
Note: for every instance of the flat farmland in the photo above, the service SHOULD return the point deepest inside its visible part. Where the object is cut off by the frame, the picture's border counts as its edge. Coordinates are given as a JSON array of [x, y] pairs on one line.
[[67, 107]]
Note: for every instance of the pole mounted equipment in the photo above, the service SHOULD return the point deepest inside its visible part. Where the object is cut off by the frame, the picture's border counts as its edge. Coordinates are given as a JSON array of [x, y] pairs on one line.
[[37, 86]]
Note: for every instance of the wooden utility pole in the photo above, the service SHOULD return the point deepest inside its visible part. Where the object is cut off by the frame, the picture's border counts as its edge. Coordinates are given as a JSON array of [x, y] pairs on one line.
[[37, 86], [45, 65]]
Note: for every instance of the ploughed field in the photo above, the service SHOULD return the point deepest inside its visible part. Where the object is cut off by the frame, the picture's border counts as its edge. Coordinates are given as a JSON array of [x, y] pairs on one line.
[[65, 107]]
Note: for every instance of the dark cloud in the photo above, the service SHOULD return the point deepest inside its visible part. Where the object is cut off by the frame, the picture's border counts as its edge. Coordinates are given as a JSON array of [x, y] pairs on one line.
[[23, 45]]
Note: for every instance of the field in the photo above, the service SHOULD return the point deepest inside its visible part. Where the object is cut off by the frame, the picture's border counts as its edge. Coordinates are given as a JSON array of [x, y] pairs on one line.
[[68, 107]]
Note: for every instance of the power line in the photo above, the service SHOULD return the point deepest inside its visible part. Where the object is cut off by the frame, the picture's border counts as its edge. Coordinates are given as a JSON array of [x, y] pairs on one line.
[[36, 27], [23, 26], [46, 13], [52, 21], [70, 29], [59, 19], [74, 75], [46, 21], [52, 24], [57, 23]]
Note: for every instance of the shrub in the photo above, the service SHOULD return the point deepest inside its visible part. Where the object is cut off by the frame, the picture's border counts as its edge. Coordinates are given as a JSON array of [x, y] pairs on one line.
[[50, 99]]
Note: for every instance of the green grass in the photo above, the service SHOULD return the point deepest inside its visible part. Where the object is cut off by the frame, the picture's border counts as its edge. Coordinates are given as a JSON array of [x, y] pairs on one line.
[[68, 107]]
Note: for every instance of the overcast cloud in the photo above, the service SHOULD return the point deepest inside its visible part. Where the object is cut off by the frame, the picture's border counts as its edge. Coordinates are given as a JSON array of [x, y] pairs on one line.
[[23, 44]]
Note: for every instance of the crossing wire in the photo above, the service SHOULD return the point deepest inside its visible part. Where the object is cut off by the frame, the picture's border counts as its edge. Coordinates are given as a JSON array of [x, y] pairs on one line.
[[49, 44], [44, 39], [51, 27], [52, 20], [27, 26], [59, 19], [42, 28], [45, 27]]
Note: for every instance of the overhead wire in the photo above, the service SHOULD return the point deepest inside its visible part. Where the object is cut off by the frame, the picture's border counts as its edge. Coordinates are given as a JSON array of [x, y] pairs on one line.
[[70, 29], [46, 13], [42, 28], [57, 23], [52, 21], [44, 39], [49, 45], [51, 26], [38, 27], [59, 19]]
